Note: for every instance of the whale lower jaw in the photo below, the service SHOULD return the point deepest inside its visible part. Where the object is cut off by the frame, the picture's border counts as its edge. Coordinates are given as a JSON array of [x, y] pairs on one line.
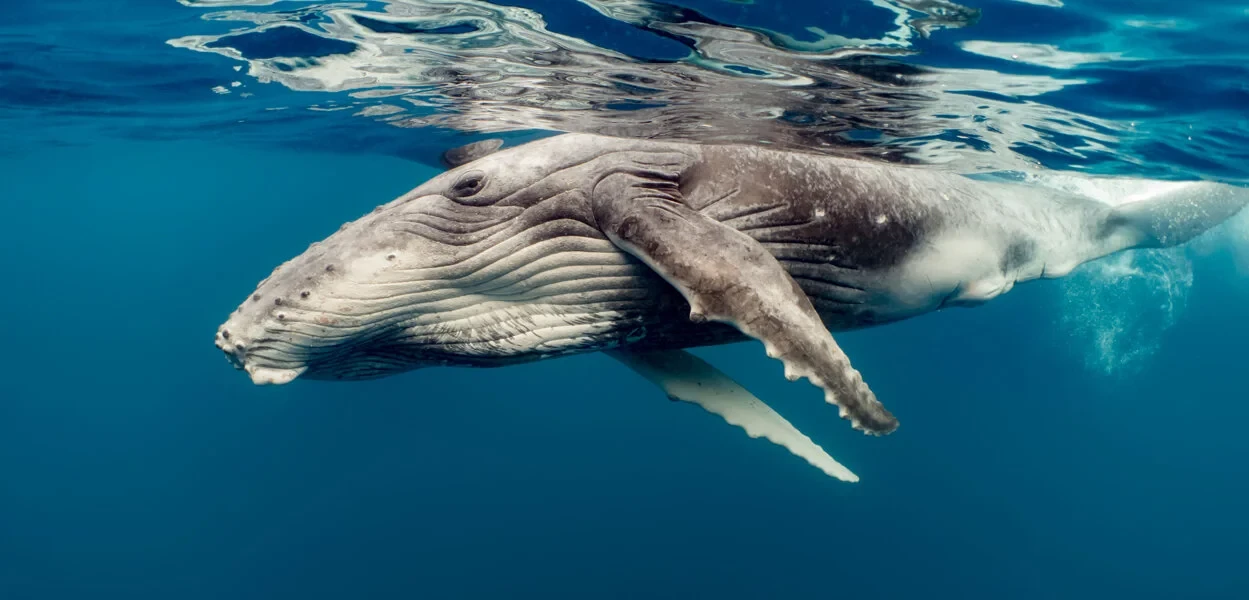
[[267, 376]]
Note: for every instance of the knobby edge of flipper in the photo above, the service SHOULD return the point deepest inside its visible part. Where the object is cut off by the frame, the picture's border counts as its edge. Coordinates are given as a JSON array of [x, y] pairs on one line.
[[688, 378], [728, 277]]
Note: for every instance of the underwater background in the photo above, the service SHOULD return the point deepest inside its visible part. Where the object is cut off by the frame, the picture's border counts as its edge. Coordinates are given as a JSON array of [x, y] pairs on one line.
[[1077, 438]]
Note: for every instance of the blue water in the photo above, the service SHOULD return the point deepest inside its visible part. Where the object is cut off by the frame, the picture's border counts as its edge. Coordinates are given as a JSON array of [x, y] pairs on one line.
[[1072, 439]]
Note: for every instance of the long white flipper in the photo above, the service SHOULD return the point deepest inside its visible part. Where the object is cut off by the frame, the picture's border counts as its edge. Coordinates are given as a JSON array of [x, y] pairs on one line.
[[686, 377]]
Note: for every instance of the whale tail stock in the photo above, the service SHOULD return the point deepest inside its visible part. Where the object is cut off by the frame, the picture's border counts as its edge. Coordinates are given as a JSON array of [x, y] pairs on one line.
[[1163, 214], [1168, 214], [1143, 213]]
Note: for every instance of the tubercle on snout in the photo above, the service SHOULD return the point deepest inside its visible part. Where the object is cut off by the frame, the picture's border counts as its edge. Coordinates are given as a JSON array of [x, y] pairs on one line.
[[290, 289]]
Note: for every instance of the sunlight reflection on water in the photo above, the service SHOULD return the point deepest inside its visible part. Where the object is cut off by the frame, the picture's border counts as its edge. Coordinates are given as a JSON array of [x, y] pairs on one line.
[[474, 66]]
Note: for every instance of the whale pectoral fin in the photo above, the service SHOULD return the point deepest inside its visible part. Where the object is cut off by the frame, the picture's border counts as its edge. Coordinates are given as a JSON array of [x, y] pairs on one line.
[[727, 276], [688, 378]]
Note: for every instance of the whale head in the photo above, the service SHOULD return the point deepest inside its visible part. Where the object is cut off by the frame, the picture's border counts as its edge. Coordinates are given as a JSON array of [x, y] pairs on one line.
[[495, 261]]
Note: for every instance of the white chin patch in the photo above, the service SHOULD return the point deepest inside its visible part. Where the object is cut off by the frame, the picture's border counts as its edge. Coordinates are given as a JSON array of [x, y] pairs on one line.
[[264, 376]]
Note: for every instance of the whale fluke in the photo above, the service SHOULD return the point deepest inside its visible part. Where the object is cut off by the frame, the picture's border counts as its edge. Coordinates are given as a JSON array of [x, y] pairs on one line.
[[688, 378]]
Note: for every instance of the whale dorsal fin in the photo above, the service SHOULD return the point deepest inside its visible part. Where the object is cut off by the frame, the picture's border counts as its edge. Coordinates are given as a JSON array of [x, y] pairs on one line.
[[688, 378], [727, 276], [462, 155]]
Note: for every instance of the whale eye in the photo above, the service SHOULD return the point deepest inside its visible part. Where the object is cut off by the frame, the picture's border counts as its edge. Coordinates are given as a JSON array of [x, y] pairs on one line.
[[469, 184]]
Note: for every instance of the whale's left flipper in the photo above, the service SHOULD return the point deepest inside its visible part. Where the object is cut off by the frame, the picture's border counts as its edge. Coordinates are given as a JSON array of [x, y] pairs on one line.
[[686, 377], [727, 276]]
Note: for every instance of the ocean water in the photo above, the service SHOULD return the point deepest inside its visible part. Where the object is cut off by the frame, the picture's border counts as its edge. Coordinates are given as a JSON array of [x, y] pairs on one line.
[[1076, 438]]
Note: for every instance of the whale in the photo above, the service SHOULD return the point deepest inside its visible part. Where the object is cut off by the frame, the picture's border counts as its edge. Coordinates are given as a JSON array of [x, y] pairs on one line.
[[645, 249]]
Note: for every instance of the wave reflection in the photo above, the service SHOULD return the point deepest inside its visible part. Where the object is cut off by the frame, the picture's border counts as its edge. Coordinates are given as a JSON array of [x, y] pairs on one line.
[[473, 66]]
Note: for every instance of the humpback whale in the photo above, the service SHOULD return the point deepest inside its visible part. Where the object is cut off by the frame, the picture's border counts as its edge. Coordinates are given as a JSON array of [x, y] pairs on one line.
[[643, 249]]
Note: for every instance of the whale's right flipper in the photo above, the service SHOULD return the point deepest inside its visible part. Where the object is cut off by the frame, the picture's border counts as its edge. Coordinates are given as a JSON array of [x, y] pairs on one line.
[[686, 377]]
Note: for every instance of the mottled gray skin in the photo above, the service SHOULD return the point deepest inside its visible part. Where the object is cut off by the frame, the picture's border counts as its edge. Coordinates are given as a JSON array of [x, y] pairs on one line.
[[582, 243]]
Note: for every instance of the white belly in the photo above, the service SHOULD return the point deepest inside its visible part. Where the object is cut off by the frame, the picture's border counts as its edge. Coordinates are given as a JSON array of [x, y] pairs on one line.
[[955, 268]]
